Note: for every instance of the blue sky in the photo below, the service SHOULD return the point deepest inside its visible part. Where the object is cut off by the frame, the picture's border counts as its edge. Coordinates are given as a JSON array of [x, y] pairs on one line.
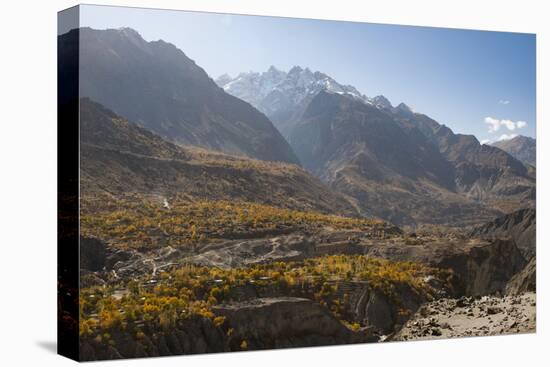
[[475, 82]]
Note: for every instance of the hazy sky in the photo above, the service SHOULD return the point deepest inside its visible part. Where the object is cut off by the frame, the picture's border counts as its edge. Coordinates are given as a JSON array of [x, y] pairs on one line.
[[475, 82]]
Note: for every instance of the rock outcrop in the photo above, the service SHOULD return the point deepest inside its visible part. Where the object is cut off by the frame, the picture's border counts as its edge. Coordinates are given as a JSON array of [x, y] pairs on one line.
[[266, 323], [525, 280], [520, 226], [379, 312], [484, 267]]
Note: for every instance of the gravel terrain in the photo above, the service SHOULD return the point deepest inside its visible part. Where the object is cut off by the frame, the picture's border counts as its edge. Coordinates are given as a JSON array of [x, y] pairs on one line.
[[466, 316]]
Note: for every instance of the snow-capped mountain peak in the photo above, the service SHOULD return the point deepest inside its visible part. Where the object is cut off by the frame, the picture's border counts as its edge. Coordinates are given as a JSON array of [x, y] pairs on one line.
[[381, 102], [279, 94], [296, 84]]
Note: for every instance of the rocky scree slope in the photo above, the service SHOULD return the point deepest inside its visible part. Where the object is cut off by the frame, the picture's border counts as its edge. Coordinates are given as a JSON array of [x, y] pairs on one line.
[[525, 280], [448, 318]]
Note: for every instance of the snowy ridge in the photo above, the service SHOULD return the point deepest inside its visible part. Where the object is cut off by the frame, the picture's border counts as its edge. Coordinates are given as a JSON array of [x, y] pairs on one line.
[[270, 90], [296, 85]]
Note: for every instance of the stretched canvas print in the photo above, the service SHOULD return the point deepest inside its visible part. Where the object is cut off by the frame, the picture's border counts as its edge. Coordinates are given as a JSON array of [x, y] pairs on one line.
[[232, 183]]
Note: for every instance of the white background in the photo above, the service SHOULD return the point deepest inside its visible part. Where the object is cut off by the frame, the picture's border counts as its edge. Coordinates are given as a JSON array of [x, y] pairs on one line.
[[28, 181]]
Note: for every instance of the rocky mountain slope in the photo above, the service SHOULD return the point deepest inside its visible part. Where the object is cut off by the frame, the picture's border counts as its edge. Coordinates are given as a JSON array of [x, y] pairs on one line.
[[157, 86], [121, 158], [480, 172], [395, 163], [394, 173], [522, 148], [520, 226], [525, 280], [281, 94]]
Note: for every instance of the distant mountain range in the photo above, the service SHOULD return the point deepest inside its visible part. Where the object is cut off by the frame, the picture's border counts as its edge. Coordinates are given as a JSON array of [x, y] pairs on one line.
[[395, 163], [521, 147], [280, 95], [156, 85], [364, 156]]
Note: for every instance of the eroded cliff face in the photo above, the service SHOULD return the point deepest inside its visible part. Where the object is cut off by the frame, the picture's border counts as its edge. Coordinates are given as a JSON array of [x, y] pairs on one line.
[[487, 269], [191, 336], [482, 266], [262, 323], [520, 226], [381, 313], [525, 280], [285, 322]]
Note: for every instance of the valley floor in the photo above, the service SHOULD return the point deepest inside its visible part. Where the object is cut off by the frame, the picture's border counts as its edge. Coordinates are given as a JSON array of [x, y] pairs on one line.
[[219, 276]]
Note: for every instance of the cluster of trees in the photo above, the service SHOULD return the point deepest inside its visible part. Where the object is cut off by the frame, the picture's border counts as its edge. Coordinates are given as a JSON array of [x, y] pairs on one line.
[[142, 223], [192, 290]]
